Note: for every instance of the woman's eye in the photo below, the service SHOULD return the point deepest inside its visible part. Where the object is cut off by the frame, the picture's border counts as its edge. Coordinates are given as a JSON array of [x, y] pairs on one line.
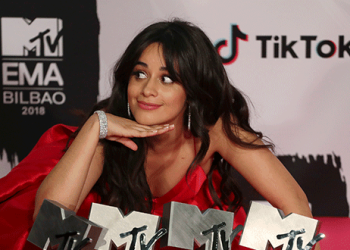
[[167, 79], [140, 75]]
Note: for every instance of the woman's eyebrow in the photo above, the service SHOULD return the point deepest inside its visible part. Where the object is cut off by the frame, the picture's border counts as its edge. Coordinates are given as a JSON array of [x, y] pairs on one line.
[[145, 65], [142, 64]]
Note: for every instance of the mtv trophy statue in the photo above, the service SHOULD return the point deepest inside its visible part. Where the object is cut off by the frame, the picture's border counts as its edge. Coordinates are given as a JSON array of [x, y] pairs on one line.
[[183, 226]]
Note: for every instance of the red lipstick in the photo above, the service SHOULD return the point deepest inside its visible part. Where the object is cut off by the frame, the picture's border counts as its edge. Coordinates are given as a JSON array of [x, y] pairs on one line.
[[148, 106]]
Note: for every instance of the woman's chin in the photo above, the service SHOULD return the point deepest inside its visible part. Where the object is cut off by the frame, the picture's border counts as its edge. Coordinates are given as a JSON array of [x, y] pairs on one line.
[[148, 121]]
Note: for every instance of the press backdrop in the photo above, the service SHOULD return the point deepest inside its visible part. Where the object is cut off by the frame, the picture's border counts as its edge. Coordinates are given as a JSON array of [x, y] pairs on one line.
[[291, 58]]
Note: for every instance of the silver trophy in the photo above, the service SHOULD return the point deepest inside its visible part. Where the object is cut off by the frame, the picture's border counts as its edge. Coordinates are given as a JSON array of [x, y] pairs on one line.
[[186, 224], [134, 231], [57, 227], [266, 225]]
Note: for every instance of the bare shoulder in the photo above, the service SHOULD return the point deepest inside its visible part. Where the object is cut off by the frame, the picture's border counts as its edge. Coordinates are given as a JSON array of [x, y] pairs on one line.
[[236, 155], [221, 142]]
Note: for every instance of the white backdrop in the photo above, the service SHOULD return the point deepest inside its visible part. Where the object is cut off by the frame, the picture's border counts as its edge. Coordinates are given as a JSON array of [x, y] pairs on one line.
[[301, 103]]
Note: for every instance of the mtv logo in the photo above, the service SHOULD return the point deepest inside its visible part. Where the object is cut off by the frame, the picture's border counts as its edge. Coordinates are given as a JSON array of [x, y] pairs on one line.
[[135, 230], [187, 225], [57, 227], [266, 225], [41, 37]]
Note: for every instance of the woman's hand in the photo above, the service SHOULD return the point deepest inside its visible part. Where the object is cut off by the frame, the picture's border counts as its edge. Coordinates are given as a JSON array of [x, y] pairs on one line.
[[80, 167], [122, 129]]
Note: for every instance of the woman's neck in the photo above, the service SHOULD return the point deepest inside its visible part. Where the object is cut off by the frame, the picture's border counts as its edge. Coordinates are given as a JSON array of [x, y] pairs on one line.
[[168, 142], [167, 161]]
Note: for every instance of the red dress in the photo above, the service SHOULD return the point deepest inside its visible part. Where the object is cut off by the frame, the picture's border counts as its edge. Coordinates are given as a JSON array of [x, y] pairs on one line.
[[18, 190]]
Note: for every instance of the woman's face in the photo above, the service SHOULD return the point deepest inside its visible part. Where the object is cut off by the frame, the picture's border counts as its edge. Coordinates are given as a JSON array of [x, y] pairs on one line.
[[154, 98]]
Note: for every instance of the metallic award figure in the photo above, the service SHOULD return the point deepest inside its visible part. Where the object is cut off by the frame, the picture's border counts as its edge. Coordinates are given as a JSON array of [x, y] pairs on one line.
[[58, 227], [309, 245], [134, 233], [292, 235], [157, 236], [226, 244], [186, 225], [266, 224], [215, 231], [144, 245], [120, 227]]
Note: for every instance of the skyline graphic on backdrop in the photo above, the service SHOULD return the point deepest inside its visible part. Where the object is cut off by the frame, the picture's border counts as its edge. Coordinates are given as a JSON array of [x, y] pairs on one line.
[[315, 175], [320, 176]]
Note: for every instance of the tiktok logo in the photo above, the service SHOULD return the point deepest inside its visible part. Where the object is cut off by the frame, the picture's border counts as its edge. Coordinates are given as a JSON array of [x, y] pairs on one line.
[[236, 34]]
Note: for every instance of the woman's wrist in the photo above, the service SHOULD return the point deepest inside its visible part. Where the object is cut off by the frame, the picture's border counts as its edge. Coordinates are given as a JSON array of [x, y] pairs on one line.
[[91, 128], [103, 125]]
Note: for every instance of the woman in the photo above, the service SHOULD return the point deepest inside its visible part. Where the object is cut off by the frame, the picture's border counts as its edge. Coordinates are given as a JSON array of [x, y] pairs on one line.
[[172, 115], [171, 96]]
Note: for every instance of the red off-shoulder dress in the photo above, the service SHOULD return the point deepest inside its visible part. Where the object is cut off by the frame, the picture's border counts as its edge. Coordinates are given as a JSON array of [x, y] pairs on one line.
[[19, 187]]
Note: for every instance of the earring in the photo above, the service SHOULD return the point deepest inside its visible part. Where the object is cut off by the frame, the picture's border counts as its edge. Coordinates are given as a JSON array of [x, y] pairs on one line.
[[129, 112], [189, 118]]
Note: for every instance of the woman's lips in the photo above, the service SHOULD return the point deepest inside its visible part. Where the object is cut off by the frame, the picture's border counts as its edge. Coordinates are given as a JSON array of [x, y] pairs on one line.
[[147, 106]]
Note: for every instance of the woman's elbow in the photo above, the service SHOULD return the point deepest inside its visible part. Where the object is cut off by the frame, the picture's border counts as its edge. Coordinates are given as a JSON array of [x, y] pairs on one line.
[[298, 204]]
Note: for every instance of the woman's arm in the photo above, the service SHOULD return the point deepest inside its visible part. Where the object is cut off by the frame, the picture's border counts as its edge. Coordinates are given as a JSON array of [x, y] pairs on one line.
[[65, 183], [78, 170], [262, 169]]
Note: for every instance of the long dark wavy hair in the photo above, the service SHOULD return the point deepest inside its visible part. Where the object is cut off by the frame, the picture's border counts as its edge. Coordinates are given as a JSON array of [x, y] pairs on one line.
[[192, 61]]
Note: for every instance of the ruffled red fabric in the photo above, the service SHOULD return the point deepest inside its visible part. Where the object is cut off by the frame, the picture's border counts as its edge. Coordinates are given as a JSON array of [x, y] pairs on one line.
[[19, 187]]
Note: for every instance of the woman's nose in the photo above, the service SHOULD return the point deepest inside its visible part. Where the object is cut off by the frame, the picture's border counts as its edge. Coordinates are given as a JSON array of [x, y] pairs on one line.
[[150, 87]]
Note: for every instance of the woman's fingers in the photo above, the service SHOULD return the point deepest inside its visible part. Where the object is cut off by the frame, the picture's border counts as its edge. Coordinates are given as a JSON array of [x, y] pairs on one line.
[[127, 142], [164, 129], [119, 127], [142, 132], [152, 128]]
